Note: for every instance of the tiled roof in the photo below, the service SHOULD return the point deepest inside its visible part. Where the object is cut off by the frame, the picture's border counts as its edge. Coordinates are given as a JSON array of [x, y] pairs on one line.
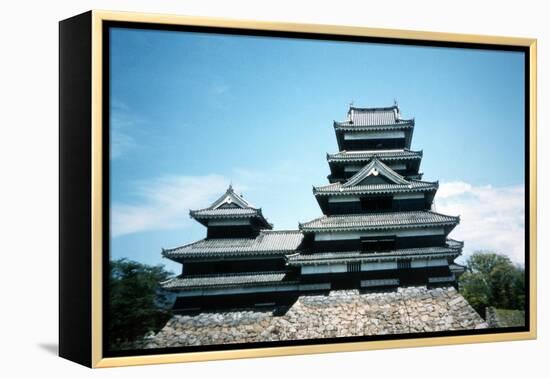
[[388, 155], [224, 280], [373, 120], [373, 117], [375, 168], [452, 249], [384, 116], [225, 213], [338, 189], [452, 243], [379, 221], [346, 126], [357, 185], [230, 206], [230, 197], [266, 243], [457, 268]]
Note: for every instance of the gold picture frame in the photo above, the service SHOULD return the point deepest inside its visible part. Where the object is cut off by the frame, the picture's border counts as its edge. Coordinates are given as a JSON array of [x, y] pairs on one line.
[[93, 24]]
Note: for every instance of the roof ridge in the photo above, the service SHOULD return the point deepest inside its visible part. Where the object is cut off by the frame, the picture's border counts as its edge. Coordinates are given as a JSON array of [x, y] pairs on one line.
[[401, 121], [279, 231], [443, 215], [374, 108], [388, 151], [256, 209], [384, 220], [454, 240], [436, 182], [337, 183], [395, 213], [319, 218], [337, 187], [390, 212], [165, 250], [232, 274]]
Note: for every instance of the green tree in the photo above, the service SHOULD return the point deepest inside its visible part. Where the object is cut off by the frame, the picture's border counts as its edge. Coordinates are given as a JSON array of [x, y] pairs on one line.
[[492, 279], [136, 303]]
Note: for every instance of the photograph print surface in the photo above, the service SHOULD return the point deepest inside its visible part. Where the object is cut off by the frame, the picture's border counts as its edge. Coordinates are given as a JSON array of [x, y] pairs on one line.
[[267, 190]]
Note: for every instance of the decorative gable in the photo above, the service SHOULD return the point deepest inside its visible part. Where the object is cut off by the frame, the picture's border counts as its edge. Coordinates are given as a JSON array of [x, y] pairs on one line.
[[376, 172], [230, 200], [231, 209]]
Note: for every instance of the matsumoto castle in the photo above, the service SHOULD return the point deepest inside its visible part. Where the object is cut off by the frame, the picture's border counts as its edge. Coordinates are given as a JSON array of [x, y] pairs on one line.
[[377, 232]]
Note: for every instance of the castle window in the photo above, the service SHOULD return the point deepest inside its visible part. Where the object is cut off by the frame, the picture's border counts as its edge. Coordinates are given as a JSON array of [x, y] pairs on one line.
[[354, 267], [377, 244], [376, 203], [404, 264]]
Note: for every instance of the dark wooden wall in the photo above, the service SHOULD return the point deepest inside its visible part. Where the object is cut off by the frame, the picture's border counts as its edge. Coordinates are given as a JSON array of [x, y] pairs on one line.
[[355, 244], [234, 266]]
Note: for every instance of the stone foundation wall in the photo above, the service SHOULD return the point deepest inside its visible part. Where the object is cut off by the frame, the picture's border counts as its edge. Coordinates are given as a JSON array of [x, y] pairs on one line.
[[339, 314]]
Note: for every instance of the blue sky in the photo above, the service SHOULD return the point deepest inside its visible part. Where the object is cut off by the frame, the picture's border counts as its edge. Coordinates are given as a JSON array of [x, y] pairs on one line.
[[192, 112]]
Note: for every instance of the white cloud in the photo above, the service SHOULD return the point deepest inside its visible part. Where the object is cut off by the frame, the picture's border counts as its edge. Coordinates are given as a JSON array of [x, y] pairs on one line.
[[451, 189], [121, 142], [123, 121], [491, 218], [164, 203]]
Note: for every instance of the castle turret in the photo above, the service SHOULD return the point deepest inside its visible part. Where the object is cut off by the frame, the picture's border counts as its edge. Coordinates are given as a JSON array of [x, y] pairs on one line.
[[231, 216], [378, 227], [240, 263]]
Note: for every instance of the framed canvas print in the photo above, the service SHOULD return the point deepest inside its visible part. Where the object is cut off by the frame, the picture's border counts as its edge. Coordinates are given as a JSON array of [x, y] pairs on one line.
[[235, 189]]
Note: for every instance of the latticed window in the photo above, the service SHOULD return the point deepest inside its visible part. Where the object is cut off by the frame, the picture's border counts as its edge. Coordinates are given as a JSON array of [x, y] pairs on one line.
[[404, 264], [354, 267]]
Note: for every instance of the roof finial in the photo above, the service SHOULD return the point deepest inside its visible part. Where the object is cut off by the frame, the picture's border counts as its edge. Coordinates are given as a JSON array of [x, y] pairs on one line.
[[396, 110], [350, 112], [230, 189]]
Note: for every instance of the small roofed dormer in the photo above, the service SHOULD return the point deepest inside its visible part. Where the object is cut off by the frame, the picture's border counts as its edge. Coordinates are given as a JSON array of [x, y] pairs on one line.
[[231, 216]]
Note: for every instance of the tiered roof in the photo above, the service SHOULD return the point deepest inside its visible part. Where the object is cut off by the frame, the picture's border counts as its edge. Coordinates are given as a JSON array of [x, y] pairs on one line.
[[452, 249], [212, 281], [230, 206], [373, 169], [345, 158], [358, 184], [380, 221], [365, 156], [266, 243], [374, 119], [339, 189], [457, 269]]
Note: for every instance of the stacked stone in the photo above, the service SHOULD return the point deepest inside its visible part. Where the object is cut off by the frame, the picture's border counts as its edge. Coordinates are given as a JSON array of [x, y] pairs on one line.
[[339, 314]]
